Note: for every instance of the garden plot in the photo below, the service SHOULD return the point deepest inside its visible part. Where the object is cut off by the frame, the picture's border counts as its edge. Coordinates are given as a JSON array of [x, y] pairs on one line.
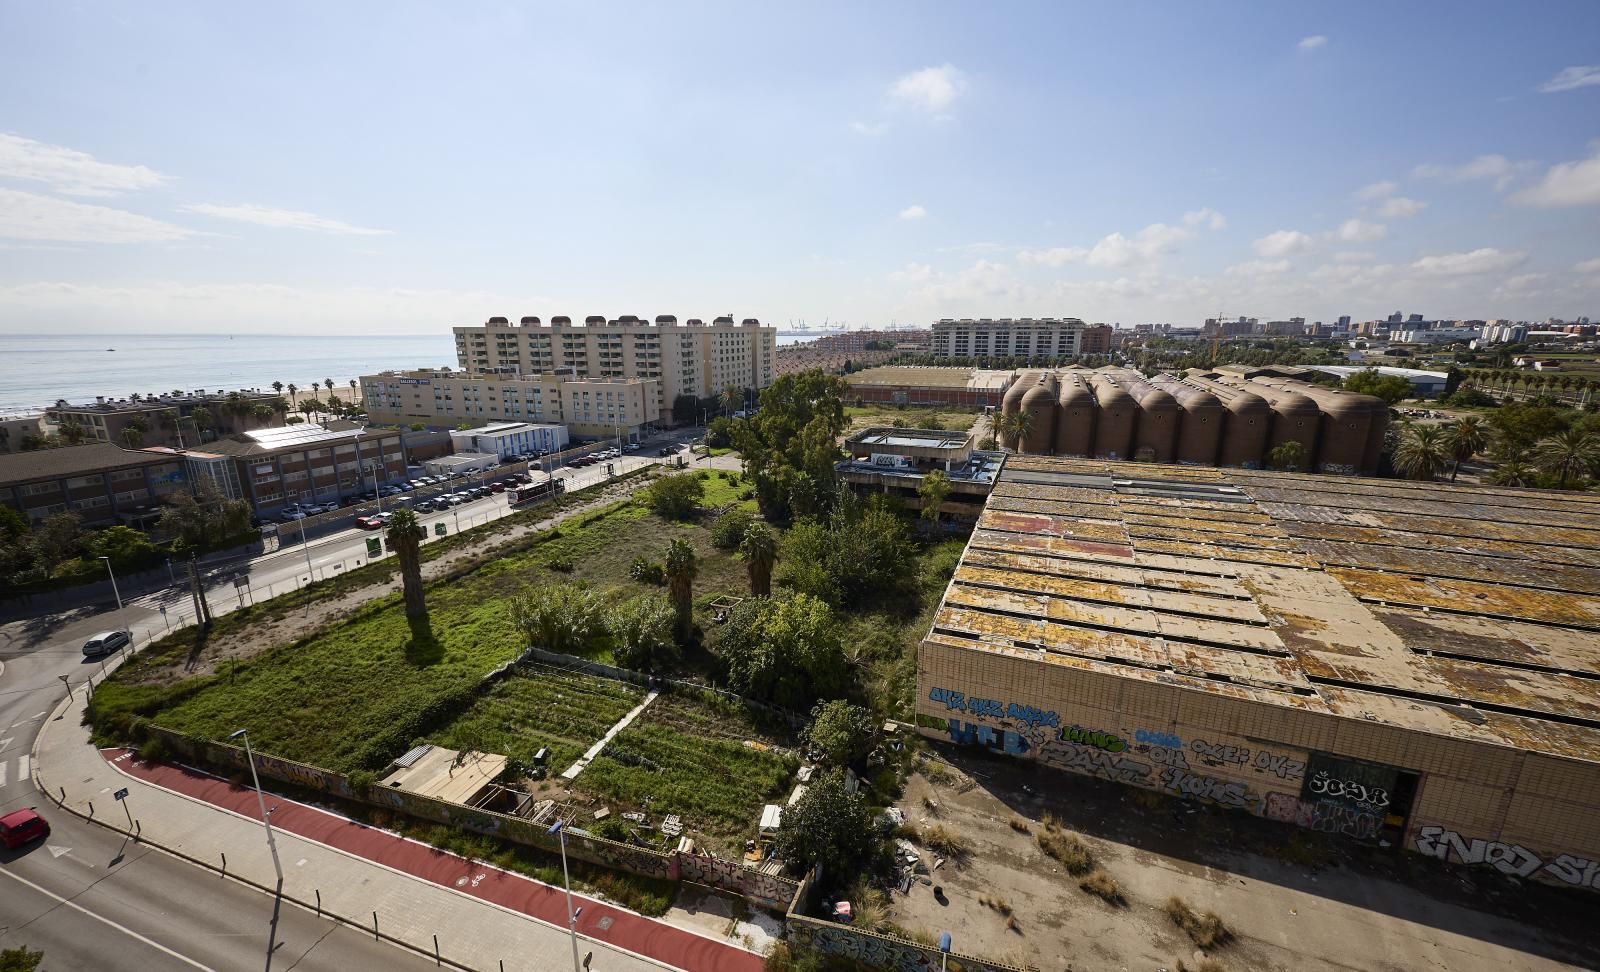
[[538, 707], [689, 757]]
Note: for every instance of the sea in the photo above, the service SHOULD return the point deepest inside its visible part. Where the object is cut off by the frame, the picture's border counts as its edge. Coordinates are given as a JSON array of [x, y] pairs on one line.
[[38, 369]]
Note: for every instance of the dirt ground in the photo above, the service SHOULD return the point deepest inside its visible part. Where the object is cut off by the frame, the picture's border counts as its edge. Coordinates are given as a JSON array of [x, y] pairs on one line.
[[1293, 900]]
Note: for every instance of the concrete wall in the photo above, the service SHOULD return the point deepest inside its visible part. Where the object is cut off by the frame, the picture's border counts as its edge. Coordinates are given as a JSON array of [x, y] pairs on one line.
[[887, 952], [1477, 803]]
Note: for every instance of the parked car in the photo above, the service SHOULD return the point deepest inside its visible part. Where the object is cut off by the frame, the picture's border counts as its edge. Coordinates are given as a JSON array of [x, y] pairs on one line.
[[289, 516], [425, 506], [21, 826], [497, 487], [105, 643], [370, 522], [631, 447]]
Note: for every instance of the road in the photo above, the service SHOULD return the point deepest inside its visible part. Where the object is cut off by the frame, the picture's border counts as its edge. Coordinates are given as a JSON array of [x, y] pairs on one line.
[[90, 900]]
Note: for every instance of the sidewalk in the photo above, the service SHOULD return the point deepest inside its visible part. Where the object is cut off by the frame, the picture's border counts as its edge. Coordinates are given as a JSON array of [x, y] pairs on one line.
[[484, 918]]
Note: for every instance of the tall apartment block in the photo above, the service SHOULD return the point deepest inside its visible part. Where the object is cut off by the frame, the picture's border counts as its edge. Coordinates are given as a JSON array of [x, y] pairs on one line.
[[691, 358], [1023, 337]]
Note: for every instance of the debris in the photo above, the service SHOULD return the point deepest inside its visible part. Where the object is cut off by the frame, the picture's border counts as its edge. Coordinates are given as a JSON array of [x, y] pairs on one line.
[[602, 813]]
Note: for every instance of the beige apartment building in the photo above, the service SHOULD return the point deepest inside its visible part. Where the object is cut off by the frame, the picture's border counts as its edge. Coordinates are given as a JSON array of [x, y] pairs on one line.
[[692, 358], [598, 407], [1021, 337]]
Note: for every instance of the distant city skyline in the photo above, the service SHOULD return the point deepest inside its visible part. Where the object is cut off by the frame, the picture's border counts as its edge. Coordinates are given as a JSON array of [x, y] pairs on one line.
[[378, 169]]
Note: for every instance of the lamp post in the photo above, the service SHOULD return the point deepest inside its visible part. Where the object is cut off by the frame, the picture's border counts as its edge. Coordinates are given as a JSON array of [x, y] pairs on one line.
[[560, 830], [266, 819], [944, 950], [122, 609]]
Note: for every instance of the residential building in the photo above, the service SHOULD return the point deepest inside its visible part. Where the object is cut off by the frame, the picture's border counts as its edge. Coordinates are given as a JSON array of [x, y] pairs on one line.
[[589, 407], [692, 358], [16, 429], [101, 482], [306, 463], [1024, 337], [1405, 665], [1234, 328], [168, 420], [505, 439], [1503, 332], [1293, 327], [1437, 335], [895, 462]]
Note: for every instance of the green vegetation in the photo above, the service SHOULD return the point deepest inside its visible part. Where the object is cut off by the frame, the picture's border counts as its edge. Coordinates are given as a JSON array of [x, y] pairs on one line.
[[1393, 389], [828, 826], [545, 706], [789, 446], [759, 547], [861, 554], [641, 633], [843, 733], [935, 489], [22, 959], [676, 497], [1288, 456], [559, 617], [786, 651]]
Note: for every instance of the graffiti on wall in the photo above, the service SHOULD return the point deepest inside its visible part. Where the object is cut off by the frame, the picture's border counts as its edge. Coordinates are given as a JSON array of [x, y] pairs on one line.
[[1110, 742], [1026, 715], [882, 952], [1512, 859], [1327, 816], [770, 890]]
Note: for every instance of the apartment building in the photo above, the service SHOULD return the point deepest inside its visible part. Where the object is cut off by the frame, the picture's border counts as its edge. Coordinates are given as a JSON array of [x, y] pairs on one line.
[[301, 463], [692, 358], [1023, 337], [101, 482], [177, 419], [597, 407]]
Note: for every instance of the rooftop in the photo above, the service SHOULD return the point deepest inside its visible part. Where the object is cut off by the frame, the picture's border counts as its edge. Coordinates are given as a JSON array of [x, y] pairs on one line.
[[148, 402], [1459, 610], [932, 377], [445, 774], [25, 467], [910, 438], [502, 428], [258, 442]]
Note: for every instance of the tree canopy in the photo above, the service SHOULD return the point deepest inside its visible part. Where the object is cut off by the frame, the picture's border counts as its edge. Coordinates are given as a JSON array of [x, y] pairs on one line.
[[1393, 389], [787, 651], [676, 497], [789, 446], [641, 633], [861, 552], [559, 617], [844, 733], [826, 826]]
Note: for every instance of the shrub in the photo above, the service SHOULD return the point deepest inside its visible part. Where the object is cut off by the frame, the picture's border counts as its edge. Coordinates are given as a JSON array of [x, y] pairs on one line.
[[1019, 825], [943, 840], [1206, 930], [1103, 886], [1068, 848], [728, 530], [560, 564], [676, 497], [647, 571]]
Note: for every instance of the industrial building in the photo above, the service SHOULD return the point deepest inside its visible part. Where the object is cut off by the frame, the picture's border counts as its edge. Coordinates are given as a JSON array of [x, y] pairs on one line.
[[1217, 418], [912, 385], [895, 462], [507, 439], [1414, 665]]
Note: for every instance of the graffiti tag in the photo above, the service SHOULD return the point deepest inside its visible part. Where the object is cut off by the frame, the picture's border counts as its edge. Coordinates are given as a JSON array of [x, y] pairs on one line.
[[994, 708], [1219, 753], [1322, 784], [1166, 740], [1513, 859], [1110, 742]]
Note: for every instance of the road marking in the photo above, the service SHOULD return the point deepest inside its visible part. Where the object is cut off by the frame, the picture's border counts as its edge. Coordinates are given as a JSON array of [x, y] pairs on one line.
[[22, 767], [3, 767], [6, 742], [103, 919], [56, 850]]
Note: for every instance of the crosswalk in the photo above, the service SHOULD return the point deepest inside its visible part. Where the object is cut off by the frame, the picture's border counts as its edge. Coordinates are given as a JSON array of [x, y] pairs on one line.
[[13, 770]]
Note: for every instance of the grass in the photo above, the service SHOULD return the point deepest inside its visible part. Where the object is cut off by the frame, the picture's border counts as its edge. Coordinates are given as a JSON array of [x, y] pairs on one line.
[[1205, 930], [565, 711], [1066, 847], [944, 417], [943, 840], [1103, 886], [688, 756]]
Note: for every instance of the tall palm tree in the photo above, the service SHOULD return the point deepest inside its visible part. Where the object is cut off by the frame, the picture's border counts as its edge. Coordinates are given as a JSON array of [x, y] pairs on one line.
[[760, 550], [1513, 474], [1573, 452], [292, 390], [1016, 427], [328, 384], [1421, 453], [682, 564], [354, 391], [277, 386], [1465, 438], [405, 537]]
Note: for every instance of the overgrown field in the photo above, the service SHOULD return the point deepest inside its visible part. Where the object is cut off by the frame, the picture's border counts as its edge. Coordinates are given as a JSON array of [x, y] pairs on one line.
[[688, 756], [565, 711], [950, 417]]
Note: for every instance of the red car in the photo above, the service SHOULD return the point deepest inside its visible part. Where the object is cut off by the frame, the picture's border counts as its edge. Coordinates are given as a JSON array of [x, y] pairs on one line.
[[20, 826], [369, 523]]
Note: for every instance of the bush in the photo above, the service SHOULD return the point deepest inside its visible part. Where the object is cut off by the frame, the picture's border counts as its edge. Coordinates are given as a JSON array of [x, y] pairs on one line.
[[1206, 930], [676, 497], [560, 564], [728, 531], [1068, 848], [1103, 886], [943, 840]]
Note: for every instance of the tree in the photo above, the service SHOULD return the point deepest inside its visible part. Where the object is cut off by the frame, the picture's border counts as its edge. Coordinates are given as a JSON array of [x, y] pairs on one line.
[[1289, 456], [641, 633], [787, 651], [826, 826], [1573, 452], [677, 497], [133, 431], [405, 538], [55, 539], [861, 552], [328, 384], [125, 546], [559, 617], [760, 551], [202, 419], [277, 386], [731, 399], [1518, 425], [1393, 389], [842, 732], [1015, 428], [72, 432], [204, 517], [354, 389], [292, 390], [791, 444], [685, 410], [310, 407], [1421, 452], [682, 564], [21, 959], [1513, 474], [1465, 438], [933, 491]]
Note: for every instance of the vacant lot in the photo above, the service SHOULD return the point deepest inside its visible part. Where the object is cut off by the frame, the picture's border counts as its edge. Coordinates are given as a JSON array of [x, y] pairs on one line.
[[944, 417], [688, 756], [539, 707]]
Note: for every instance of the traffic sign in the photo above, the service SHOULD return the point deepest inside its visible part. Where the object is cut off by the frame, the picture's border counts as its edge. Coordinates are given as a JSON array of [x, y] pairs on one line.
[[121, 794]]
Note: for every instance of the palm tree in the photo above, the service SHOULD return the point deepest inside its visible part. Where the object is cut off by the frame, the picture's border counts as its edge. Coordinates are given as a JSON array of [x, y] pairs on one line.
[[262, 413], [354, 390], [405, 536], [328, 384], [1565, 381], [1569, 453], [72, 433], [292, 390], [760, 550], [1015, 428], [1464, 438], [1421, 453], [277, 386], [1513, 473], [202, 419], [682, 564], [309, 407]]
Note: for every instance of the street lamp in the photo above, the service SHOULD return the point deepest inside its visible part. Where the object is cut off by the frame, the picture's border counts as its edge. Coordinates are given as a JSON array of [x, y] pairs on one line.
[[944, 950], [266, 820], [560, 830], [122, 609]]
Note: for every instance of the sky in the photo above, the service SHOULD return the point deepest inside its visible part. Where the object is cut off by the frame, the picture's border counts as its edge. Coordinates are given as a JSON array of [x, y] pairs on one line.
[[382, 168]]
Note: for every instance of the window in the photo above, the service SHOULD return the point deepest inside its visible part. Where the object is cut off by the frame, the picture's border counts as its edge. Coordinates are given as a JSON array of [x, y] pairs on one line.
[[128, 476], [91, 503], [40, 489], [78, 482]]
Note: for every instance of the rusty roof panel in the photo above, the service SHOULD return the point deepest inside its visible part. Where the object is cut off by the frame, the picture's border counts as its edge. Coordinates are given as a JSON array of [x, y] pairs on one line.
[[1016, 576], [1053, 526], [1049, 507], [1057, 546], [1471, 546], [1473, 597], [1434, 562], [982, 553], [1495, 640]]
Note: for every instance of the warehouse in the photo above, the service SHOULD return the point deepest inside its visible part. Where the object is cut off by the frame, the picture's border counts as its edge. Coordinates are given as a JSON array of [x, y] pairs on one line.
[[1403, 663], [912, 385]]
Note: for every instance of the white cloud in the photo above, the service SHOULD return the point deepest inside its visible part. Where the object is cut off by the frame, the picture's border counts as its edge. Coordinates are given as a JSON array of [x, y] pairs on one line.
[[28, 216], [913, 273], [1399, 207], [1497, 167], [1483, 260], [1361, 231], [1521, 284], [1566, 184], [869, 130], [1378, 190], [932, 89], [1150, 243], [1282, 243], [984, 280], [1056, 256], [1588, 266], [1206, 216], [1312, 43], [1354, 256], [1258, 268], [1571, 78], [281, 219], [70, 171], [913, 212]]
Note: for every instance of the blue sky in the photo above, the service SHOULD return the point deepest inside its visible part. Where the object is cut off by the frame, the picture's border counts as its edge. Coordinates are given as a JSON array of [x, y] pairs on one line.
[[403, 168]]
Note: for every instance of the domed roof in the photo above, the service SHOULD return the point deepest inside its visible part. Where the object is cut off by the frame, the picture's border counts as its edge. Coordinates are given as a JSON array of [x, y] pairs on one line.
[[1039, 396], [1013, 396], [1076, 394], [1156, 400], [1112, 395], [1294, 403], [1246, 402]]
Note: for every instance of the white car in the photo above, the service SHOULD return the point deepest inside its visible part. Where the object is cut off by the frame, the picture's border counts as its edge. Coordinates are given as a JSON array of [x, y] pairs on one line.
[[104, 643]]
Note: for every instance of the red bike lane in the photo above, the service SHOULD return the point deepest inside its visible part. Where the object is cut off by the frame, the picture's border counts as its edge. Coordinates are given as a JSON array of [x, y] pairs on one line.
[[600, 921]]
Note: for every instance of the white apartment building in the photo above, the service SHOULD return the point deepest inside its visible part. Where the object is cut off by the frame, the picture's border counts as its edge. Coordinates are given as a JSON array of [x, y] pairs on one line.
[[692, 358], [597, 407], [1438, 335], [1006, 337], [504, 439]]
